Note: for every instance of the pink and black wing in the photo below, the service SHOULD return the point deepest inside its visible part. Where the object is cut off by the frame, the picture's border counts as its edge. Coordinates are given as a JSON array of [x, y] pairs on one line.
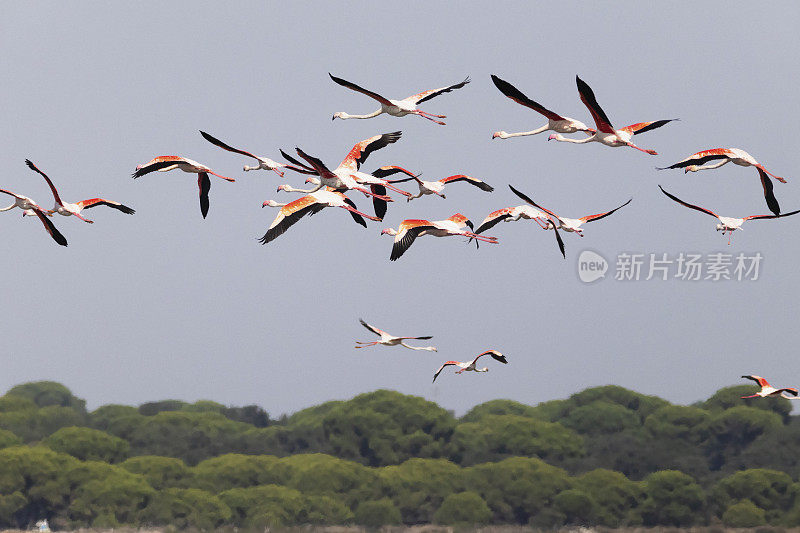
[[289, 215], [643, 127], [515, 94], [758, 379], [700, 158], [592, 218], [358, 218], [404, 243], [493, 219], [373, 329], [152, 167], [389, 170], [497, 356], [317, 164], [757, 217], [534, 204], [380, 206], [297, 166], [359, 153], [217, 142], [353, 87], [94, 202], [50, 227], [589, 100], [687, 204], [433, 93], [446, 364], [50, 183], [204, 184], [790, 390], [482, 185], [769, 196]]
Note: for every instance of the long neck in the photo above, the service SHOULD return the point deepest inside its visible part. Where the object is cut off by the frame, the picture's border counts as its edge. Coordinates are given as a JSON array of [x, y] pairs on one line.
[[373, 114], [561, 138], [12, 206], [289, 188], [523, 133]]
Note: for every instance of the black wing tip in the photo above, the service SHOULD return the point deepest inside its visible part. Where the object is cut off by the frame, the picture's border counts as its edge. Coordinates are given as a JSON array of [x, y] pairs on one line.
[[30, 164], [127, 210]]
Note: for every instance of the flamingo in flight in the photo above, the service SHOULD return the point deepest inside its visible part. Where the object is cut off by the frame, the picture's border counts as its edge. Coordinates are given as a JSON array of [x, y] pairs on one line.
[[349, 172], [769, 390], [388, 339], [166, 163], [67, 209], [694, 162], [264, 163], [606, 134], [470, 366], [572, 225], [555, 122], [397, 108], [436, 187], [410, 229], [309, 205], [726, 224], [29, 207]]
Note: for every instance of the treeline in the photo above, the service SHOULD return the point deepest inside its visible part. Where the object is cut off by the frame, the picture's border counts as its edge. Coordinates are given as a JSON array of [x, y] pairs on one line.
[[605, 456]]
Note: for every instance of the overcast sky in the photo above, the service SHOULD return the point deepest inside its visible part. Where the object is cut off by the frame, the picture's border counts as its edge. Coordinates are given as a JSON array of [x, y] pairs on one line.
[[164, 304]]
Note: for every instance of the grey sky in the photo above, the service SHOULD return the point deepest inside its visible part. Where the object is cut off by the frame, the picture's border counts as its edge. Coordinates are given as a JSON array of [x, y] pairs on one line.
[[164, 304]]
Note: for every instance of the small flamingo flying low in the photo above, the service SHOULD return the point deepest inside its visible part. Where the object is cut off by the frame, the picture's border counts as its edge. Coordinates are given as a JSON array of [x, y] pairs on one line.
[[67, 209], [469, 366], [29, 207], [397, 108], [769, 390], [388, 339], [606, 134], [512, 214], [436, 187], [309, 205], [738, 157], [264, 163], [410, 229], [165, 163], [727, 224], [555, 122]]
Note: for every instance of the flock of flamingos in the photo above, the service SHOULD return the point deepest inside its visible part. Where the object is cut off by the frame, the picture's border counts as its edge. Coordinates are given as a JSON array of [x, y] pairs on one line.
[[329, 188]]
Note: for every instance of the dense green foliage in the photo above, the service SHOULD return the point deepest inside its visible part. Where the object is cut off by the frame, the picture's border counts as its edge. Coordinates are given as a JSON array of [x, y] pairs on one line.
[[606, 456]]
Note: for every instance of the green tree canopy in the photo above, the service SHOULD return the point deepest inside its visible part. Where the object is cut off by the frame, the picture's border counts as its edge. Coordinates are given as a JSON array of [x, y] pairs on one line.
[[160, 472], [498, 437], [499, 407], [184, 508], [419, 486], [744, 514], [463, 508], [88, 444], [49, 393], [618, 498], [377, 513], [672, 498], [233, 470]]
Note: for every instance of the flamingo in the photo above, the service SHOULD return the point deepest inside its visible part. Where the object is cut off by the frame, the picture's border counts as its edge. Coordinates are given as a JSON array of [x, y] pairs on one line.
[[436, 187], [731, 155], [397, 108], [555, 122], [67, 209], [166, 163], [388, 339], [348, 172], [606, 134], [264, 163], [512, 214], [769, 390], [411, 229], [469, 366], [572, 225], [310, 204], [727, 224], [29, 207]]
